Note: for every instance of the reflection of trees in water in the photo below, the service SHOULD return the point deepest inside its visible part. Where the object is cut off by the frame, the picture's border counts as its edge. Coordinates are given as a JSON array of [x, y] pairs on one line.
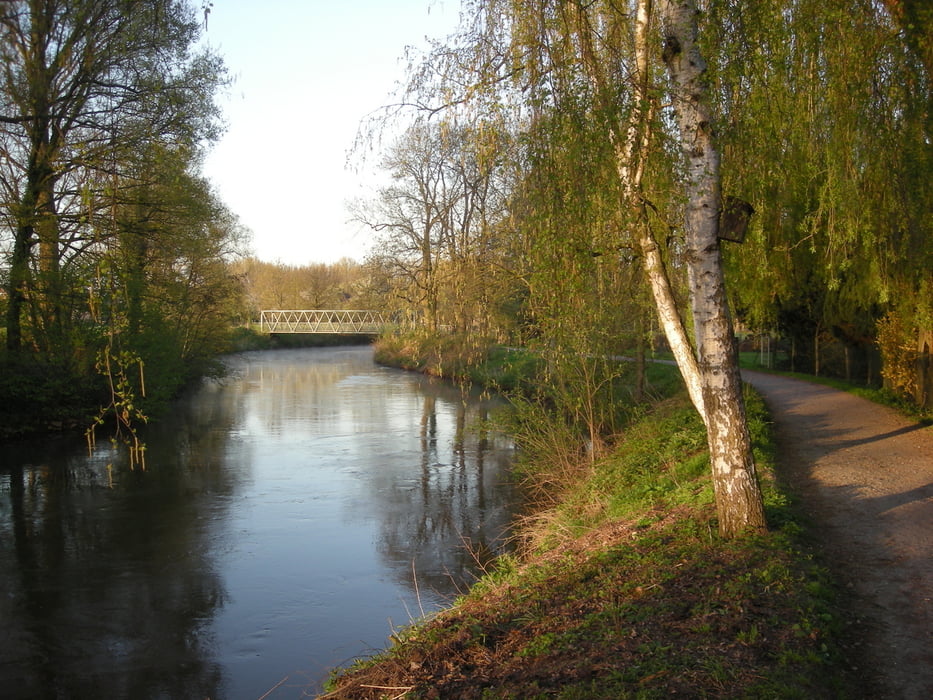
[[108, 586], [450, 503], [305, 385], [455, 517], [106, 577]]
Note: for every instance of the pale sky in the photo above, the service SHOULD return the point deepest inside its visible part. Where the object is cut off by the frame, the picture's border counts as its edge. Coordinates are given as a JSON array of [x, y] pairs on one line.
[[306, 72]]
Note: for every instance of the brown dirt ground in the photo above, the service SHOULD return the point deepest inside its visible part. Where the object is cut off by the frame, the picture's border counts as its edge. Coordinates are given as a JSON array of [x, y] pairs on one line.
[[864, 475]]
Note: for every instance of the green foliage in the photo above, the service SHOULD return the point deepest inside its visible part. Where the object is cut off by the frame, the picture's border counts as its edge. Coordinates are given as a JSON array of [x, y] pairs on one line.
[[828, 136], [126, 389], [168, 369], [655, 463], [554, 449], [460, 357], [243, 338], [111, 91], [119, 250], [659, 463], [37, 396], [508, 370]]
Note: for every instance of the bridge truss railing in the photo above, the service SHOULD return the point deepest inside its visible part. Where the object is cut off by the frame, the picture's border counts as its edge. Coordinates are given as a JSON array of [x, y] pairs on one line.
[[324, 321]]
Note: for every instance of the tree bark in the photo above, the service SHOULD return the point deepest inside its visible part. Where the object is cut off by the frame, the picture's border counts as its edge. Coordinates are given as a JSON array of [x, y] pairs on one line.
[[16, 287], [631, 158], [709, 365], [738, 497]]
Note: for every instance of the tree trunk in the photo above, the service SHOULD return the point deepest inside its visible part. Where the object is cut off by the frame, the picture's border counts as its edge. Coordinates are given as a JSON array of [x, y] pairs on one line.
[[738, 497], [816, 351], [135, 236], [50, 274], [669, 316], [709, 365], [37, 222], [631, 144], [641, 368], [16, 288]]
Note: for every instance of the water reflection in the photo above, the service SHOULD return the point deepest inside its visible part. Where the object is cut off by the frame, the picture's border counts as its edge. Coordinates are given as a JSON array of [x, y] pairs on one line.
[[286, 516], [438, 521], [107, 574]]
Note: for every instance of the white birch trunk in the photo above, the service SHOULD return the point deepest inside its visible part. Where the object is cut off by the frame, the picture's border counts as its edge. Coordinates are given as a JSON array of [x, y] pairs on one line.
[[631, 158], [738, 498], [709, 366]]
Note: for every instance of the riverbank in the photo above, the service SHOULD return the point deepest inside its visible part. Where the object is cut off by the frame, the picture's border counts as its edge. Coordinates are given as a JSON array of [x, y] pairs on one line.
[[622, 588], [41, 398]]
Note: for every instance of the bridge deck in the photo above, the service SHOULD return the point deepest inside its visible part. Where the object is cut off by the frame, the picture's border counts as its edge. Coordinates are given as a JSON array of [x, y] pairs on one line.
[[323, 321]]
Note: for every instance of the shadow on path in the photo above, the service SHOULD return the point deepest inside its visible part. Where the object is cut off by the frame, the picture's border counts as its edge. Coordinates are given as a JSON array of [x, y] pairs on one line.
[[864, 474]]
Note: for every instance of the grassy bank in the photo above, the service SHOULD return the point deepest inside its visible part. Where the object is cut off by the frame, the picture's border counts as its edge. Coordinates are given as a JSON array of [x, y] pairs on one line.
[[621, 588]]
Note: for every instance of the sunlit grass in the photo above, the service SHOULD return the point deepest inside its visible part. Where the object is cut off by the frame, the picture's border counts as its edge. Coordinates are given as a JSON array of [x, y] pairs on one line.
[[621, 587]]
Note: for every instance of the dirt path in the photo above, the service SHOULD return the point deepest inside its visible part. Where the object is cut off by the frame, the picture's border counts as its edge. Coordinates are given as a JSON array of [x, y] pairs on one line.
[[865, 475]]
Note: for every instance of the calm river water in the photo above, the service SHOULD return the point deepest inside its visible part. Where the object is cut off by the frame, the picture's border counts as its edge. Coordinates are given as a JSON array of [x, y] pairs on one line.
[[288, 519]]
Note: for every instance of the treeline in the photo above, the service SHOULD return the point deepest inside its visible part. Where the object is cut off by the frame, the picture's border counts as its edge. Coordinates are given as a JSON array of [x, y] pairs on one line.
[[116, 281], [538, 182], [346, 284]]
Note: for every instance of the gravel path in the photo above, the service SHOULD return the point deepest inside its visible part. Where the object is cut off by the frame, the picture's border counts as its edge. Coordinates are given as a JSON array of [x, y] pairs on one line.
[[864, 474]]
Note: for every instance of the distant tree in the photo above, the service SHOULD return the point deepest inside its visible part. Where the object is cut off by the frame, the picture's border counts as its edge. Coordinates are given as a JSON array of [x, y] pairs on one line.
[[339, 285], [412, 211], [437, 218]]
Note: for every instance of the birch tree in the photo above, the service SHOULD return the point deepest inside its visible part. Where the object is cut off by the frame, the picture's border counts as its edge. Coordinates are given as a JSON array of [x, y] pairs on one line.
[[532, 53], [709, 364], [738, 498]]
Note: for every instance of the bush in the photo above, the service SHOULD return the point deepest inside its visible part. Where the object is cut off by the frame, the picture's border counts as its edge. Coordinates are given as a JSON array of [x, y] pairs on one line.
[[40, 397]]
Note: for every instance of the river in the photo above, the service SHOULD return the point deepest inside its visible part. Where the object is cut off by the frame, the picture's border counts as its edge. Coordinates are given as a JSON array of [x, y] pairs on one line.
[[288, 519]]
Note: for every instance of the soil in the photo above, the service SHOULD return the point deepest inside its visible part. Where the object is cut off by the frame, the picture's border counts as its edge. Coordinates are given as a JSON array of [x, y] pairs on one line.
[[864, 475]]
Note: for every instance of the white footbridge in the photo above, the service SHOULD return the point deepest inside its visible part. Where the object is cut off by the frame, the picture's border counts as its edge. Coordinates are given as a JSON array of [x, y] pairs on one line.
[[343, 321]]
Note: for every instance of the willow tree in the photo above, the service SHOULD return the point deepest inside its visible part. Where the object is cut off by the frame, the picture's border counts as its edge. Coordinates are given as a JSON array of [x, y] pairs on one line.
[[830, 136], [610, 55], [581, 303]]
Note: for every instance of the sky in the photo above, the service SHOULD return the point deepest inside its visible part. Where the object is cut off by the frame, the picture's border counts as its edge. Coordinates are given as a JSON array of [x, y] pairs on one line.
[[306, 72]]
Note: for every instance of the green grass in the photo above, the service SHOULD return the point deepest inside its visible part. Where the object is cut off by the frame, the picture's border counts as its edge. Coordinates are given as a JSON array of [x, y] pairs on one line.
[[624, 590]]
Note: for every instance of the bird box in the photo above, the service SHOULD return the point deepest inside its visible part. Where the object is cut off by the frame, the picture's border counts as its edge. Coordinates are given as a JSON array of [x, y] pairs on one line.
[[733, 219]]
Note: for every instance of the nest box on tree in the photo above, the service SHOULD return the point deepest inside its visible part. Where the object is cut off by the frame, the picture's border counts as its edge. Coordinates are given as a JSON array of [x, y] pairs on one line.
[[733, 219]]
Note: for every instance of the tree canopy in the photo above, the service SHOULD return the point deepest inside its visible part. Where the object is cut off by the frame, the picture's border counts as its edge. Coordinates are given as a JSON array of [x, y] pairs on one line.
[[113, 242]]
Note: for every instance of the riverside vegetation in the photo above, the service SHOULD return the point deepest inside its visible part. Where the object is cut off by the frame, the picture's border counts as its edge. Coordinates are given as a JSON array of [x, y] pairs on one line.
[[619, 585]]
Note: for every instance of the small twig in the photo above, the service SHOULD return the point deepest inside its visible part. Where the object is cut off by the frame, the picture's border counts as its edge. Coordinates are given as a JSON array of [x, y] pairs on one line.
[[405, 689], [472, 551], [269, 692], [414, 578]]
